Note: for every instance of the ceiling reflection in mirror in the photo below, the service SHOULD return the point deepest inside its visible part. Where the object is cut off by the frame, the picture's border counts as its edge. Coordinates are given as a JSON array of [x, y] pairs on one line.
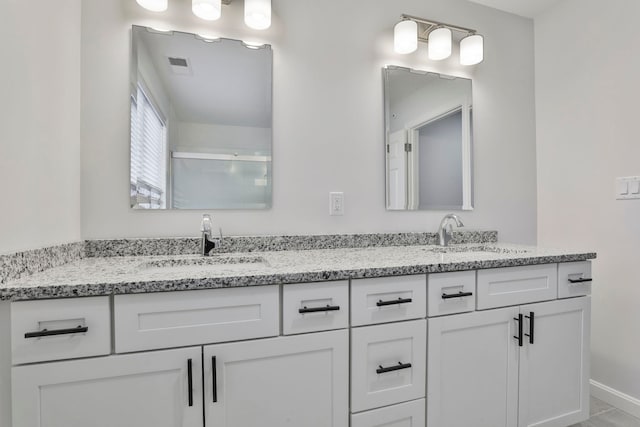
[[428, 140], [201, 122]]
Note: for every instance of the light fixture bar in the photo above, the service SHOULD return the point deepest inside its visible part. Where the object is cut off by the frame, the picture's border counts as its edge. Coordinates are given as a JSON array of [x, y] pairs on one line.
[[438, 24]]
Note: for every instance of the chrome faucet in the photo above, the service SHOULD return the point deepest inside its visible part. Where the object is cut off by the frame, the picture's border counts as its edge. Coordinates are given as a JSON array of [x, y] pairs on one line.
[[208, 242], [446, 228]]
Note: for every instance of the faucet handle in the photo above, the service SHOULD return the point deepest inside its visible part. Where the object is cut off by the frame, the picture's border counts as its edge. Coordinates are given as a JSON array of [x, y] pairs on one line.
[[205, 226]]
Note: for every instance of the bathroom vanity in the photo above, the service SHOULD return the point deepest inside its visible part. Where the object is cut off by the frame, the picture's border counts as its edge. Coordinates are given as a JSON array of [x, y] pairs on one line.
[[473, 335]]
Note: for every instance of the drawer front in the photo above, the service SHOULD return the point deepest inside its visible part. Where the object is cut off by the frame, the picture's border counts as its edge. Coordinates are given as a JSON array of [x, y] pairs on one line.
[[574, 279], [388, 299], [410, 414], [311, 307], [501, 287], [60, 329], [176, 319], [451, 293], [388, 364]]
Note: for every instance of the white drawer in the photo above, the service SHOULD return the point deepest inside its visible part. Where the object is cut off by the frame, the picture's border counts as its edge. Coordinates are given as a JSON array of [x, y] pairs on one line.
[[388, 364], [388, 299], [574, 279], [310, 307], [451, 293], [501, 287], [176, 319], [60, 329], [409, 414]]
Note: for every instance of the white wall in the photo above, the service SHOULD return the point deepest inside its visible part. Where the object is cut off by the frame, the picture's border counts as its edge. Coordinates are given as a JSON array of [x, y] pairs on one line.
[[587, 88], [328, 117], [39, 123]]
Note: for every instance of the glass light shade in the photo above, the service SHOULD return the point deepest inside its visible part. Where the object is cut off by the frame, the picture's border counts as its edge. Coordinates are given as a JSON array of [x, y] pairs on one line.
[[206, 9], [154, 5], [472, 50], [405, 37], [439, 44], [257, 14]]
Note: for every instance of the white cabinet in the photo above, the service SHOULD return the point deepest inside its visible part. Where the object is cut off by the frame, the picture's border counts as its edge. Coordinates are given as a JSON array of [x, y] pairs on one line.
[[314, 354], [554, 370], [299, 380], [473, 370], [519, 366], [136, 390]]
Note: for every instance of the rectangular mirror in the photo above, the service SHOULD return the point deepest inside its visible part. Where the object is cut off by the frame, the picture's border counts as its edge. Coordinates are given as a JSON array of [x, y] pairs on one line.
[[200, 122], [428, 140]]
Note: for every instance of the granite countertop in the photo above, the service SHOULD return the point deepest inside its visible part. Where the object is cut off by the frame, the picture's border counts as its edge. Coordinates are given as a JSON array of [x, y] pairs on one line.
[[139, 274]]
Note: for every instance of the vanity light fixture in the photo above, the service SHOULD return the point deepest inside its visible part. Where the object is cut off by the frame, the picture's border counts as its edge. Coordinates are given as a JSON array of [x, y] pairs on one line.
[[208, 10], [257, 13], [154, 5], [405, 36], [439, 44], [438, 36]]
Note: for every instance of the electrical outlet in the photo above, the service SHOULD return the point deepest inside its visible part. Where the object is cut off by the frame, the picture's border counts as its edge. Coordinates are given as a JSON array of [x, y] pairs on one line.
[[336, 203]]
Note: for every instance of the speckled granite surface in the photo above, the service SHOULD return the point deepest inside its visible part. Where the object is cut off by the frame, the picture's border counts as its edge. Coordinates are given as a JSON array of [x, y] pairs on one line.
[[136, 274], [20, 264], [185, 246]]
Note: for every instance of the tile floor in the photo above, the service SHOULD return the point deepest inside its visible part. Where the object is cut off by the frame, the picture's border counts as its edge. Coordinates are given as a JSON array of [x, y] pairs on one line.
[[605, 415]]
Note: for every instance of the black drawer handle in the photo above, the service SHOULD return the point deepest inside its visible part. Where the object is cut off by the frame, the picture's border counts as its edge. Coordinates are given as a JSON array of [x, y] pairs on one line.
[[519, 319], [305, 309], [381, 303], [190, 380], [214, 379], [581, 280], [397, 367], [458, 295], [532, 318], [47, 333]]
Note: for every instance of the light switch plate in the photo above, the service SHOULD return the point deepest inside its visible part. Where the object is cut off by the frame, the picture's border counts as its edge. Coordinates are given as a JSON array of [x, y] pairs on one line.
[[628, 187], [336, 203]]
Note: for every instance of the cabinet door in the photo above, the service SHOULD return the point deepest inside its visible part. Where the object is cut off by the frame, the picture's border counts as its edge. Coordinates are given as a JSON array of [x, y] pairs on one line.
[[472, 374], [298, 380], [554, 368], [138, 390]]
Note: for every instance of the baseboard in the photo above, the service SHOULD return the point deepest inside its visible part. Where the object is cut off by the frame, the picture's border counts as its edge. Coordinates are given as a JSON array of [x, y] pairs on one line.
[[616, 398]]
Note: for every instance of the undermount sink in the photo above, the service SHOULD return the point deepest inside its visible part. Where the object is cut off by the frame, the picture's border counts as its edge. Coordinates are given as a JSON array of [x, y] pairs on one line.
[[212, 263], [474, 248]]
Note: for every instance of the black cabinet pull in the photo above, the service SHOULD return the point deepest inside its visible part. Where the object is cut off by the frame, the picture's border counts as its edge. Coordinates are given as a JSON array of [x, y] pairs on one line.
[[190, 380], [581, 280], [328, 307], [47, 333], [458, 295], [381, 303], [519, 337], [214, 379], [397, 367], [531, 318]]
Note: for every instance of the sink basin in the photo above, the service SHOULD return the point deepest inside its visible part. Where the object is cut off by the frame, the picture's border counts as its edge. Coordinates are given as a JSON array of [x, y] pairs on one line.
[[212, 263], [474, 248]]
